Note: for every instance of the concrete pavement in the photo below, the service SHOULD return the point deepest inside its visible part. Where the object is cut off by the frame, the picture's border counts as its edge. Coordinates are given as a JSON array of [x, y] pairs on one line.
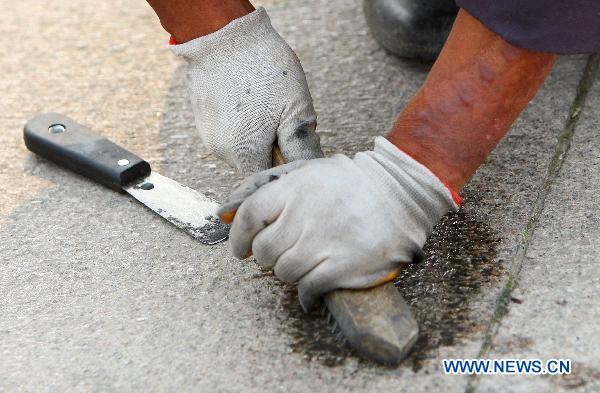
[[98, 294]]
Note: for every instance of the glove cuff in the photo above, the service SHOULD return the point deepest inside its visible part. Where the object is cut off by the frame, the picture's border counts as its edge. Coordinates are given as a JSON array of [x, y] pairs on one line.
[[417, 198], [417, 170], [238, 34], [425, 197]]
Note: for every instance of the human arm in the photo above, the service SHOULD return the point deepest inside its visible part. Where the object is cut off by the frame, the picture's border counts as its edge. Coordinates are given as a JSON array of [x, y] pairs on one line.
[[341, 223], [247, 86]]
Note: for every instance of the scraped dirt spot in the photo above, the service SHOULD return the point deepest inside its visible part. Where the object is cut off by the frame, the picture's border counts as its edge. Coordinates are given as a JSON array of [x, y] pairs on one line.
[[460, 259], [311, 335]]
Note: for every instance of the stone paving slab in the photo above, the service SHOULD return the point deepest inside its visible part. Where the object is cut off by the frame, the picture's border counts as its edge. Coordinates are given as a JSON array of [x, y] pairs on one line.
[[555, 309], [96, 293]]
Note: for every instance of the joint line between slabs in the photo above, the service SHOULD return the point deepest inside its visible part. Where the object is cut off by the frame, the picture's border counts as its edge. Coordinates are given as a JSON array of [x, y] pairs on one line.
[[562, 147]]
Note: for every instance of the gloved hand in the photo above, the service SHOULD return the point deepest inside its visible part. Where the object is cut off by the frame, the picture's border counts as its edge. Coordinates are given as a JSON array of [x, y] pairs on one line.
[[248, 89], [337, 222]]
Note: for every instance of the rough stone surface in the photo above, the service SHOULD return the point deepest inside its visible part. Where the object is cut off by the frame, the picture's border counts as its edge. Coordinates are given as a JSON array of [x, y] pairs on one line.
[[555, 310], [96, 293]]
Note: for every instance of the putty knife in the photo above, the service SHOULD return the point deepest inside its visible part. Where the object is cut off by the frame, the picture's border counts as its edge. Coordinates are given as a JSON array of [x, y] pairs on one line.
[[71, 145], [376, 322]]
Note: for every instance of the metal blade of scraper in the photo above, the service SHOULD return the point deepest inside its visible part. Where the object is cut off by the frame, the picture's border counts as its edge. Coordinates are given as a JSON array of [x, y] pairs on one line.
[[182, 206], [71, 145]]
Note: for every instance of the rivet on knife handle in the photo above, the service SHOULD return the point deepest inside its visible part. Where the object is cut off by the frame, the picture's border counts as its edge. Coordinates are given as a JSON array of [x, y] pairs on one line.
[[376, 322]]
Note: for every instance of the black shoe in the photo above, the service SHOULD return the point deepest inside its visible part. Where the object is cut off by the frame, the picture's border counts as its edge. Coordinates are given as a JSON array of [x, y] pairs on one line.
[[411, 28]]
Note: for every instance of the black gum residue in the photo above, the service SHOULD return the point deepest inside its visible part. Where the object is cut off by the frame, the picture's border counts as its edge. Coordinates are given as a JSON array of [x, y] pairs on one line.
[[312, 336], [460, 258]]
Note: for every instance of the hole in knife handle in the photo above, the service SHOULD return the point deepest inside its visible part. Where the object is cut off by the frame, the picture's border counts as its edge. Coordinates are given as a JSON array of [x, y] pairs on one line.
[[145, 186]]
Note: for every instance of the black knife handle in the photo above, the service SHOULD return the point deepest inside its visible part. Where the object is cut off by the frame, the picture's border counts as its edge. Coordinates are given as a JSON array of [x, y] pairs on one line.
[[73, 146]]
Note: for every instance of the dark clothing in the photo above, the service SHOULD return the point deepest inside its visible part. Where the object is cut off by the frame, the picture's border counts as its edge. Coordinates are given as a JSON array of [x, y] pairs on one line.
[[557, 26]]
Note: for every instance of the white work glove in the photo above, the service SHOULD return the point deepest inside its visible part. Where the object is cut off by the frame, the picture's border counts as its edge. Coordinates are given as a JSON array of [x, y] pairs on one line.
[[248, 90], [338, 222]]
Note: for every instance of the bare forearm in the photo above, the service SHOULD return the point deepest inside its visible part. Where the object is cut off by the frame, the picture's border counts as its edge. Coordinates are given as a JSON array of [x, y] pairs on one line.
[[189, 19], [474, 92]]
